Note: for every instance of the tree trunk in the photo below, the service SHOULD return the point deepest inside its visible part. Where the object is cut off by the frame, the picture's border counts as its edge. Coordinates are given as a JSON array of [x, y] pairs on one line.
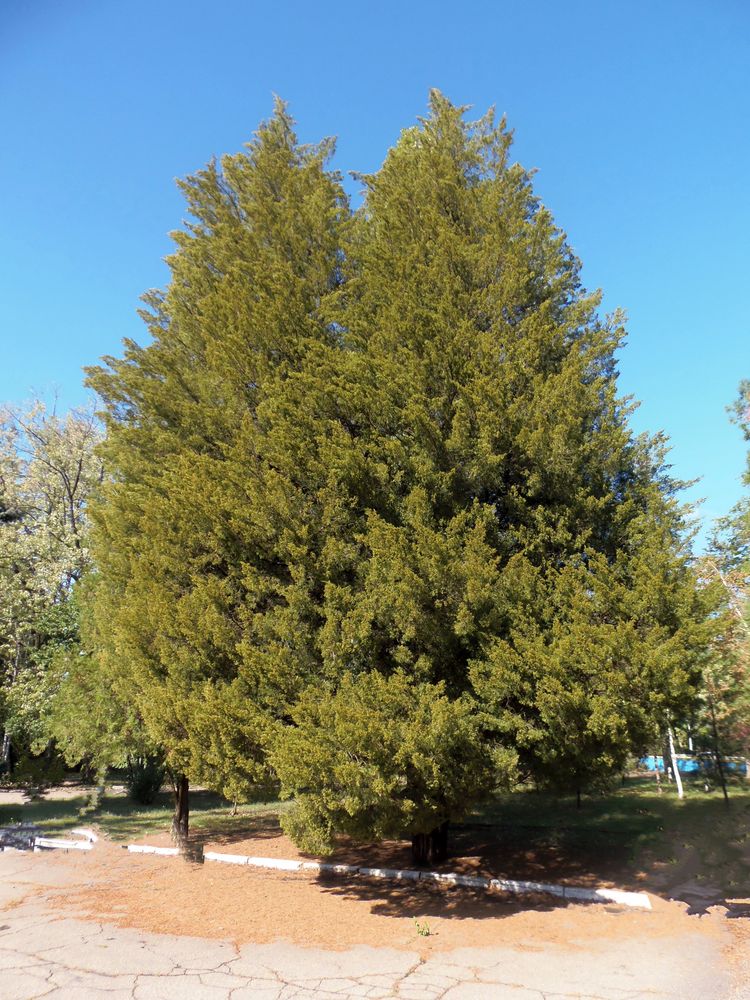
[[675, 768], [7, 755], [665, 756], [578, 798], [439, 842], [717, 754], [420, 848], [181, 811], [432, 847]]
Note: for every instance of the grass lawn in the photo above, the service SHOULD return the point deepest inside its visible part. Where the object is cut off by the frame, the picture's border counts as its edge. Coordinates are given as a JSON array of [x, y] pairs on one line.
[[123, 820], [636, 828]]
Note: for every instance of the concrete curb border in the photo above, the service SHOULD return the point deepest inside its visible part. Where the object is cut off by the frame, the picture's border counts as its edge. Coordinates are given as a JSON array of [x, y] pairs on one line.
[[87, 833], [50, 843], [516, 887], [171, 852], [33, 842], [36, 843]]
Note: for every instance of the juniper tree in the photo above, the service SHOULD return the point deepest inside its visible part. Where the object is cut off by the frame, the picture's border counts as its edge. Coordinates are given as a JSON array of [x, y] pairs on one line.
[[518, 550], [378, 526], [192, 593]]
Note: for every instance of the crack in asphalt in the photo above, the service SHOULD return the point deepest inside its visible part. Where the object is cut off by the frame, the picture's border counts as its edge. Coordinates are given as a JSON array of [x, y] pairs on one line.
[[417, 982], [42, 954]]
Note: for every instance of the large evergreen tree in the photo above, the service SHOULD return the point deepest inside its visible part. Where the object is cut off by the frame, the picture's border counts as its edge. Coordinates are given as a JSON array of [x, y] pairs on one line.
[[377, 525], [517, 548], [192, 596]]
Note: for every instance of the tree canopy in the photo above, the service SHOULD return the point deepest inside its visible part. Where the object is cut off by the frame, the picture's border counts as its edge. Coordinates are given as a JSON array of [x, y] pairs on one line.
[[377, 526]]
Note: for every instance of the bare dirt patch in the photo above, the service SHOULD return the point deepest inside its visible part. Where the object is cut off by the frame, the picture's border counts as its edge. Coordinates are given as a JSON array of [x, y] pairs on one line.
[[211, 900], [65, 792]]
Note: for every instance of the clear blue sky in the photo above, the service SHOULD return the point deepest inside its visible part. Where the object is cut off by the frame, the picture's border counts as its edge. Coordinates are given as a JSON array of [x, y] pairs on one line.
[[637, 115]]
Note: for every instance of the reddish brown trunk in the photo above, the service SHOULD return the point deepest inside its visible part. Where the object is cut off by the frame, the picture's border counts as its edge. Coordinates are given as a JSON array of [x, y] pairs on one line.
[[430, 848], [717, 754], [180, 820]]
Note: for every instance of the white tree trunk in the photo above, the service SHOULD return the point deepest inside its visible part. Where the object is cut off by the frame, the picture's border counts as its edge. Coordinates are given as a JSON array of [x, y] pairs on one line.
[[675, 769]]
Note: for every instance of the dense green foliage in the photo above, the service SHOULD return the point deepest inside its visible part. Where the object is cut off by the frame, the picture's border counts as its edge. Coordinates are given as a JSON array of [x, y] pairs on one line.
[[377, 526], [381, 756], [197, 609], [90, 714]]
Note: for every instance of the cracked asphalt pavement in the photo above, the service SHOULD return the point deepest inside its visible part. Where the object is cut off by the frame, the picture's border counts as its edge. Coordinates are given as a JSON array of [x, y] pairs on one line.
[[44, 954]]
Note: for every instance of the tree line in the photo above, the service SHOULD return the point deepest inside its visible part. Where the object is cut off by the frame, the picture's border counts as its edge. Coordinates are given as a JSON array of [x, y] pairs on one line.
[[364, 523]]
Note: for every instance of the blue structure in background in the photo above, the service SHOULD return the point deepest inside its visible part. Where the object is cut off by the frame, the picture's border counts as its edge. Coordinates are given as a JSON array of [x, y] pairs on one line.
[[695, 765]]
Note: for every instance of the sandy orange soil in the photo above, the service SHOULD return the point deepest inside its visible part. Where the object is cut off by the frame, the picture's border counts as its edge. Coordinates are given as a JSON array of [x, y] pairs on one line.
[[243, 904]]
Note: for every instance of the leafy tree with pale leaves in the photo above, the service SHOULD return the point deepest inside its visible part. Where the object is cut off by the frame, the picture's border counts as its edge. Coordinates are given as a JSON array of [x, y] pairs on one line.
[[48, 471], [722, 723]]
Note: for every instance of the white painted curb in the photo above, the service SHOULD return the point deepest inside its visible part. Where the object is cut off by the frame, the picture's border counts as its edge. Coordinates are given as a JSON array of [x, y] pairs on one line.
[[280, 864], [390, 873], [228, 859], [635, 899], [67, 845], [88, 834], [146, 849], [339, 869]]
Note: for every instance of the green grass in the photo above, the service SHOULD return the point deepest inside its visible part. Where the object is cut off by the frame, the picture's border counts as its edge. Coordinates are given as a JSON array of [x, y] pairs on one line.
[[51, 816], [636, 826], [123, 820]]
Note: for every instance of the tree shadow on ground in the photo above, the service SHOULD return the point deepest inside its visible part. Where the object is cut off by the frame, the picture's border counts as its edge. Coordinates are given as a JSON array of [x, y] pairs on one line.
[[479, 850], [638, 836], [693, 850], [228, 830], [420, 900], [700, 854]]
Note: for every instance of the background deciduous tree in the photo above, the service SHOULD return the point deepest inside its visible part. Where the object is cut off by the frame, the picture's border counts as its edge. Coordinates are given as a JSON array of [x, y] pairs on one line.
[[48, 471], [723, 722]]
